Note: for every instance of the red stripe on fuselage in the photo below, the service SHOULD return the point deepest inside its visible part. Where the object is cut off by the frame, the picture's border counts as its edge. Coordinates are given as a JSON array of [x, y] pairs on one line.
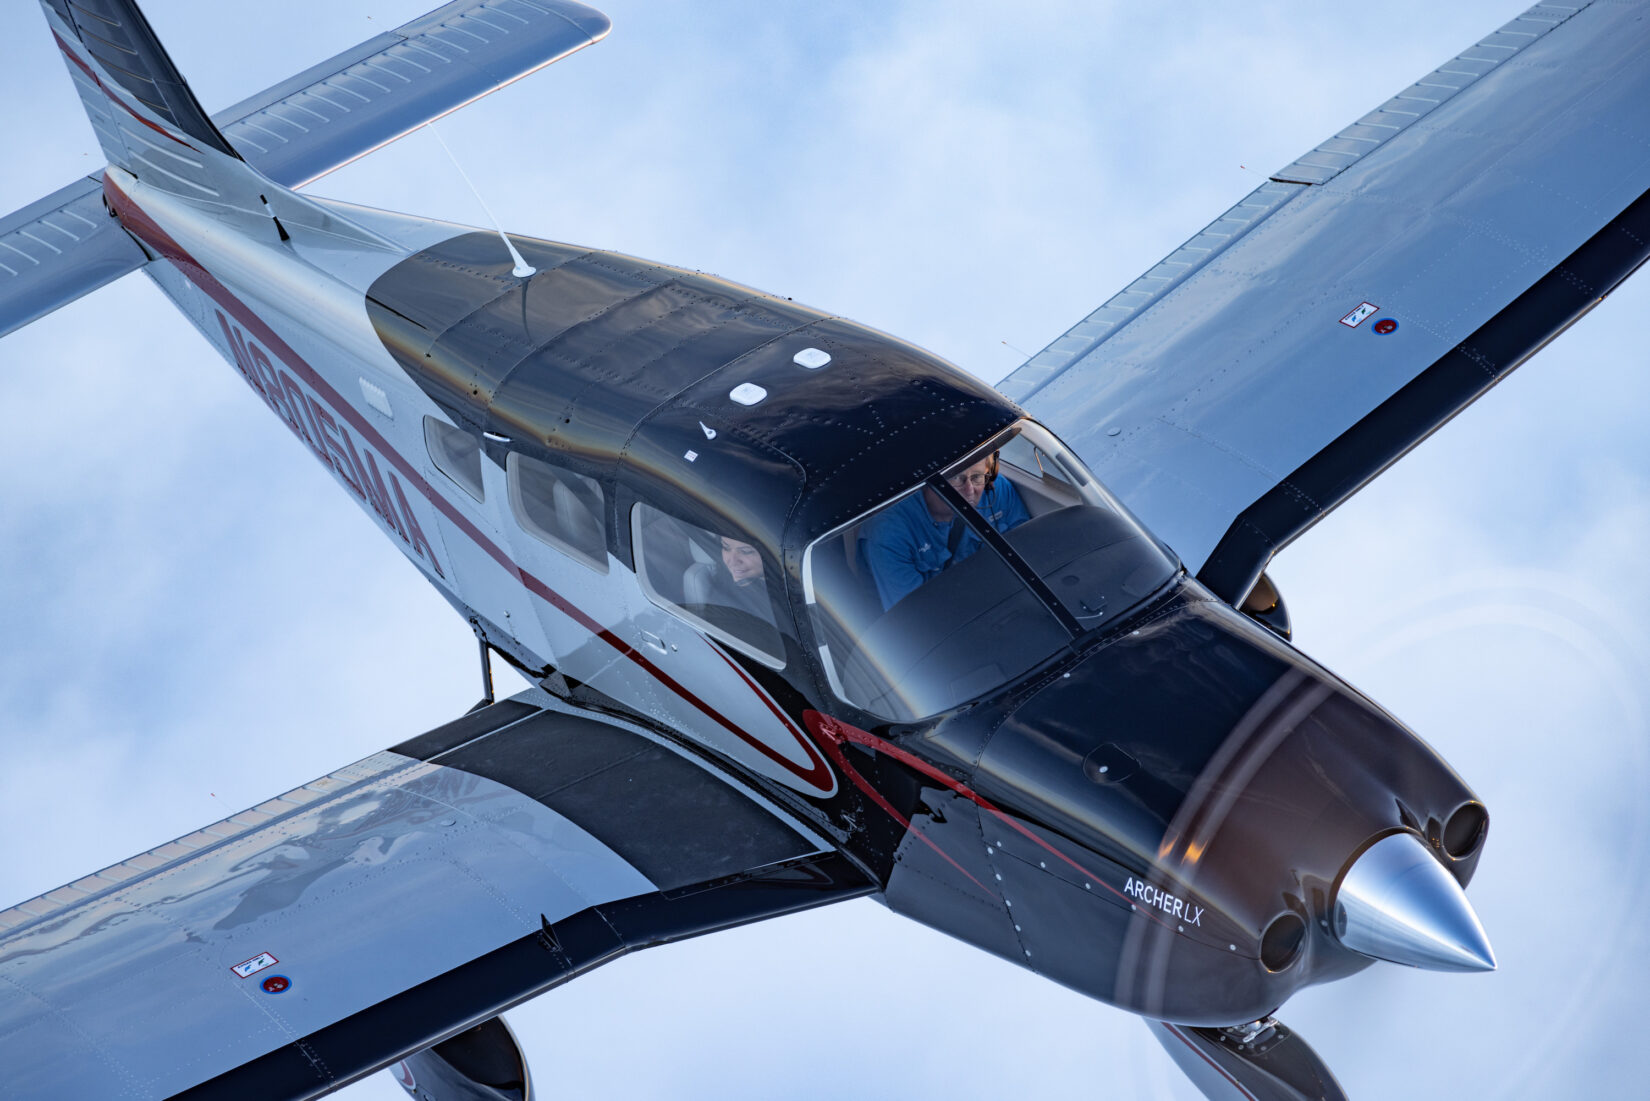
[[133, 217], [831, 731]]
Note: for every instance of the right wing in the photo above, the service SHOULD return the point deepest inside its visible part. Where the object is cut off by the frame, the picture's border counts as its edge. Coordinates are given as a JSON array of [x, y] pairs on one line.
[[328, 932], [65, 245], [1346, 309]]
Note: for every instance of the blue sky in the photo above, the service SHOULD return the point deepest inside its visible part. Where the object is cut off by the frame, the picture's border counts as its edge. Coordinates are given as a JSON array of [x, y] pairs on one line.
[[195, 618]]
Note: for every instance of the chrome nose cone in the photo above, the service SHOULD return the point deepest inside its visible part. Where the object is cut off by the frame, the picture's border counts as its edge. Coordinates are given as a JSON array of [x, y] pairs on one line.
[[1398, 903]]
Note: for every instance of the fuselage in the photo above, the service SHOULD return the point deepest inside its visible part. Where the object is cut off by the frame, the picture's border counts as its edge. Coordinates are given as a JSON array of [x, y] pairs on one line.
[[1151, 802]]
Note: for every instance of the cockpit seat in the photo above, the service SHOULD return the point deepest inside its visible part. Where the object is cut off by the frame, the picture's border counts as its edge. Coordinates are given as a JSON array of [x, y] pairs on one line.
[[696, 581], [670, 553]]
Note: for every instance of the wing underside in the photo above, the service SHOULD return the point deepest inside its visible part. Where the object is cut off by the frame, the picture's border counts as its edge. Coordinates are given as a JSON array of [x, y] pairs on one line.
[[1366, 293], [328, 932]]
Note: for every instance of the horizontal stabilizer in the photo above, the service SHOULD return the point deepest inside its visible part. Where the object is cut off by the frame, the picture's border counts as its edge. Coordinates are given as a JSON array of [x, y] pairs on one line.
[[63, 246], [57, 249], [388, 86]]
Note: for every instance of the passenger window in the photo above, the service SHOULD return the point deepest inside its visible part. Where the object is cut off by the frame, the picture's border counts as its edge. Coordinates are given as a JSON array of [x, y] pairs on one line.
[[456, 453], [558, 507], [720, 583]]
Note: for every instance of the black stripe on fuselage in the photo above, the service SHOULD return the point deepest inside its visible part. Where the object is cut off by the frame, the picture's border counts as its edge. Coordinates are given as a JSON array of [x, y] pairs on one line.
[[1428, 401], [375, 1037]]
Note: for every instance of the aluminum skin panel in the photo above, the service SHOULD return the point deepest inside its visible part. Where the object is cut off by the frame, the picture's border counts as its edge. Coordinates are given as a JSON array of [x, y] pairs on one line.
[[160, 973], [1212, 396]]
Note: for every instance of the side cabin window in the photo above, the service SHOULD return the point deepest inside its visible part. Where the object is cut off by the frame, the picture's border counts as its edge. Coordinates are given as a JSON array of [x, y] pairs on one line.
[[717, 581], [455, 453], [558, 507]]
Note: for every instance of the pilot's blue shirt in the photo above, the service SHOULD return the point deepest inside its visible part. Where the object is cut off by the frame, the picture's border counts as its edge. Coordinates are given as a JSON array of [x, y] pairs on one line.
[[905, 547]]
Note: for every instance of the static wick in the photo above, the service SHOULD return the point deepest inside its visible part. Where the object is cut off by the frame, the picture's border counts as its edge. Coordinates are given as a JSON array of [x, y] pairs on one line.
[[522, 269]]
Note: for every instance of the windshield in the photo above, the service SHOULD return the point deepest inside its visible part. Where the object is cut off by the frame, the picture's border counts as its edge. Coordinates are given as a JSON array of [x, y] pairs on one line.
[[962, 584]]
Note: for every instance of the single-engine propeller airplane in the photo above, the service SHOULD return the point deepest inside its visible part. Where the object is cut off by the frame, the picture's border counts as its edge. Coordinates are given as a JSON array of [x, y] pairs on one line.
[[809, 613]]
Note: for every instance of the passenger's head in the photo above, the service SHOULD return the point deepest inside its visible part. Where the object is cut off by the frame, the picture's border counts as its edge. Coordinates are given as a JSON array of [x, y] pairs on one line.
[[743, 561]]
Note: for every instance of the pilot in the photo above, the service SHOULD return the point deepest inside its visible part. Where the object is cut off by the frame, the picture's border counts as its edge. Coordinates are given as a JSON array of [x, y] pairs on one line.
[[909, 543]]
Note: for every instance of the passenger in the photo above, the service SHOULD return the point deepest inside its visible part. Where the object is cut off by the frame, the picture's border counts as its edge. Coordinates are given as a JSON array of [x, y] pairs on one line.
[[906, 545], [742, 585]]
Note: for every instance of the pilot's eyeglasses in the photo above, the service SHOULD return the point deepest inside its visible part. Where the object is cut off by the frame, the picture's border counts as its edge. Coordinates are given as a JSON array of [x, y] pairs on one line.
[[963, 481]]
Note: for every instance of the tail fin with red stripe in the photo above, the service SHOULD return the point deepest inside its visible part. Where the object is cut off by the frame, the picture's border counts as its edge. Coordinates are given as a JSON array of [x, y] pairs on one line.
[[146, 118]]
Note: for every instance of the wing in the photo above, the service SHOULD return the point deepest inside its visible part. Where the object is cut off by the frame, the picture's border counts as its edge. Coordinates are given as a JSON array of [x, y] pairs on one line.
[[332, 930], [1364, 295], [65, 245]]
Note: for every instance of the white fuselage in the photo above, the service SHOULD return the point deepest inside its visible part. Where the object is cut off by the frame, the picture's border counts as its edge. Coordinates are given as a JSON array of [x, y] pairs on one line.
[[291, 316]]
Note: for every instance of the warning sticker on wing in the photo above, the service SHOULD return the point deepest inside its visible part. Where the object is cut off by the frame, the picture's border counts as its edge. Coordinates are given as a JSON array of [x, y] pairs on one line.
[[254, 965], [1360, 315]]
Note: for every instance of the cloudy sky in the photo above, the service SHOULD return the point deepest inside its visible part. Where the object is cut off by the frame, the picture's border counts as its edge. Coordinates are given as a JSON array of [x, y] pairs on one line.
[[195, 618]]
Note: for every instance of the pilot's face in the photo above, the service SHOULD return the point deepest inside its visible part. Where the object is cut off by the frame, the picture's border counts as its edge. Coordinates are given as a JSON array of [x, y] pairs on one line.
[[971, 482], [743, 562]]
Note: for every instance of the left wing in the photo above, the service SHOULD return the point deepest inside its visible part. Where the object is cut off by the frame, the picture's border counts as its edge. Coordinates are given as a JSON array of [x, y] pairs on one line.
[[337, 928], [1364, 295]]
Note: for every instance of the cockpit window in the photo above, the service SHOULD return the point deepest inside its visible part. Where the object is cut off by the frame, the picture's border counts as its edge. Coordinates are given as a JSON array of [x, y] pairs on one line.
[[1078, 540], [455, 453], [952, 590], [558, 507], [717, 581]]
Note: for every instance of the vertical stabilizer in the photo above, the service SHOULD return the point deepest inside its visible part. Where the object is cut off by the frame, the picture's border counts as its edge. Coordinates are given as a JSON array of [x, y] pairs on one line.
[[157, 136], [131, 89], [147, 120]]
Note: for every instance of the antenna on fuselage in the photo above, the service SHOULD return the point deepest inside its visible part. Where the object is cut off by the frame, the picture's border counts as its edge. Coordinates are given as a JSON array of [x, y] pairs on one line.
[[522, 269]]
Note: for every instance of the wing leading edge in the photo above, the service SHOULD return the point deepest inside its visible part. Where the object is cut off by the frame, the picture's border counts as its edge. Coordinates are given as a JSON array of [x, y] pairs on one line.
[[328, 932], [1244, 387]]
